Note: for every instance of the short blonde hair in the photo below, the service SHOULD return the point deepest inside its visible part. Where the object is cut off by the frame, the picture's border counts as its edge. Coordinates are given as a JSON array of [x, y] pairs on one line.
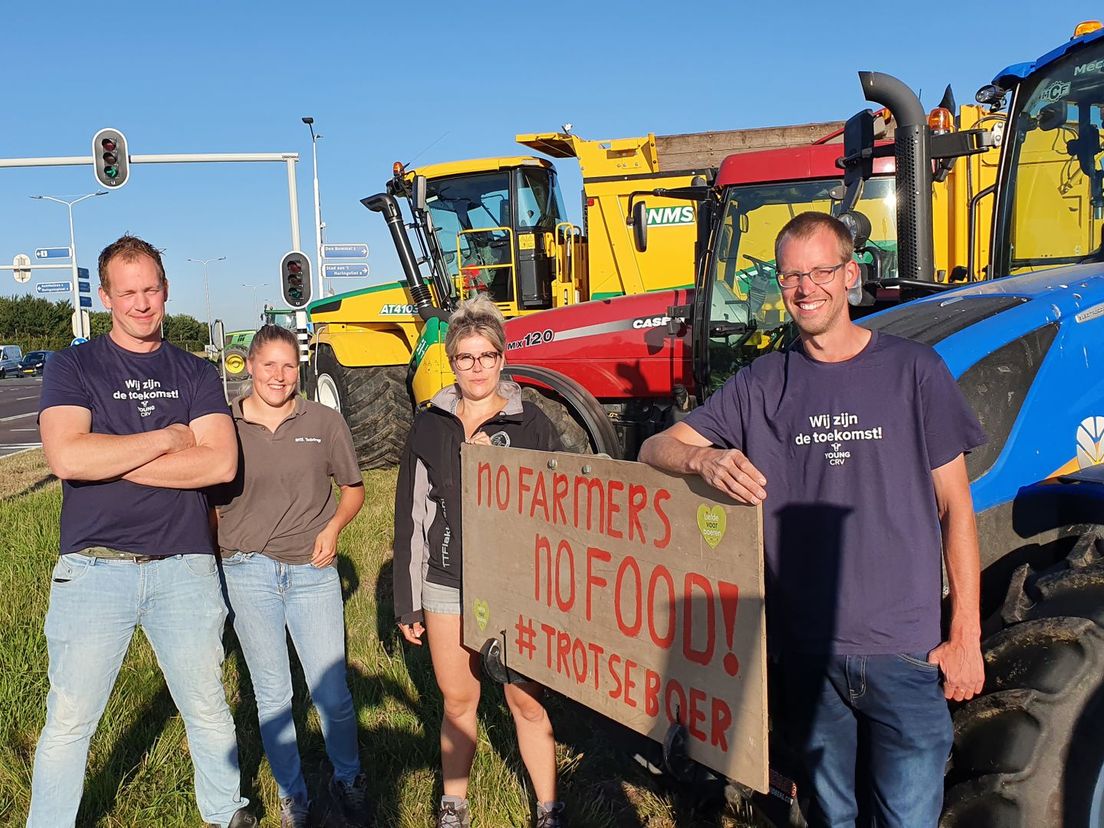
[[804, 225], [477, 316]]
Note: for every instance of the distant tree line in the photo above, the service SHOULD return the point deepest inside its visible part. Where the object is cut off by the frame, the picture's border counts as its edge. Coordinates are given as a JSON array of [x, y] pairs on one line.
[[35, 324]]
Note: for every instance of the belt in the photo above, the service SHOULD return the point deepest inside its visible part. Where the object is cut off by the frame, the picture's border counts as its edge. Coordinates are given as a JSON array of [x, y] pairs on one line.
[[116, 555]]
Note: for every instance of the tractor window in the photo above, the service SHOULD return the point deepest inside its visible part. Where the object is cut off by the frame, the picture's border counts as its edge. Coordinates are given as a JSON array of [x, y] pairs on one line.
[[746, 312], [1056, 181], [539, 202], [471, 219]]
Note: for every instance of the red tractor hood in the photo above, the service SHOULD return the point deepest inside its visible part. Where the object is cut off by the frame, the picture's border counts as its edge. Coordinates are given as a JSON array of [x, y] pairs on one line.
[[614, 348]]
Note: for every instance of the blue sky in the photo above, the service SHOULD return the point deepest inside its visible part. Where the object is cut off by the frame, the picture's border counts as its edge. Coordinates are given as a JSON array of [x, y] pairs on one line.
[[386, 81]]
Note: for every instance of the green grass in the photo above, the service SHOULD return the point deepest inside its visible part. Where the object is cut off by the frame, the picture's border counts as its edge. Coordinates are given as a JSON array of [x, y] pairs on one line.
[[139, 773]]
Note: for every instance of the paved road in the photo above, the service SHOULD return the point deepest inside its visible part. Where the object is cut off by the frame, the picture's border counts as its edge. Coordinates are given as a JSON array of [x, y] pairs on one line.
[[19, 410], [18, 414]]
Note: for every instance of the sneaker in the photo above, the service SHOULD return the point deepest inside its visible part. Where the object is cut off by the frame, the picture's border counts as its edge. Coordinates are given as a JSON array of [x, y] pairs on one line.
[[241, 819], [453, 813], [351, 799], [551, 815], [294, 814]]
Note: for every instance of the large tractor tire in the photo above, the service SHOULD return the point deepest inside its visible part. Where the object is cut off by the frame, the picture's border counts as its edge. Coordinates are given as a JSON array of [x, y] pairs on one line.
[[234, 359], [1029, 752], [374, 402], [572, 434]]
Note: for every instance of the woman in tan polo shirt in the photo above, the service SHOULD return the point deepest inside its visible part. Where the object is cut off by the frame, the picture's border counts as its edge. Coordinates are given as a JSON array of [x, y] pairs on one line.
[[278, 533]]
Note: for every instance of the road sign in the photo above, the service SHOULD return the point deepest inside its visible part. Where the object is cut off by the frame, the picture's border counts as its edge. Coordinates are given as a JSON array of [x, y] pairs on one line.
[[80, 340], [53, 253], [336, 271], [345, 251], [84, 287], [85, 301], [52, 287], [81, 323], [22, 264]]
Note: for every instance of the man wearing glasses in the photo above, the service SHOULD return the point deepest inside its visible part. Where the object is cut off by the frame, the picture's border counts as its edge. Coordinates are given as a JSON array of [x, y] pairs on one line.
[[853, 441]]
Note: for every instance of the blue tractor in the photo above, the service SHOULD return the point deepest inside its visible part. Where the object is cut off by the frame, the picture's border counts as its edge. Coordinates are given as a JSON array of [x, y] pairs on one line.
[[1027, 347]]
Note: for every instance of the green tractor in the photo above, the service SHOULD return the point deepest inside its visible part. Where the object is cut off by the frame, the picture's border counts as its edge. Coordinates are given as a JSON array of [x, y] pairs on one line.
[[236, 344]]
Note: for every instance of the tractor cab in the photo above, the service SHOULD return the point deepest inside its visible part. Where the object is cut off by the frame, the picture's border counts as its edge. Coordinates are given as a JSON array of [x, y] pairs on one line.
[[496, 227]]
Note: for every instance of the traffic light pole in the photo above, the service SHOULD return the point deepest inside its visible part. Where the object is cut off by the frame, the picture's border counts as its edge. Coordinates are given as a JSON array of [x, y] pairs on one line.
[[288, 158]]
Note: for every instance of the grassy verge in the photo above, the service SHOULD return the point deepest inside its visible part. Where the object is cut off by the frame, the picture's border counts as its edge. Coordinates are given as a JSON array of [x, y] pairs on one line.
[[139, 773], [22, 473]]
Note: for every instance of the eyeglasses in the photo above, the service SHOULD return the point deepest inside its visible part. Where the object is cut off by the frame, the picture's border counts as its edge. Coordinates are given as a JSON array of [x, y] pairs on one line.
[[819, 275], [465, 362]]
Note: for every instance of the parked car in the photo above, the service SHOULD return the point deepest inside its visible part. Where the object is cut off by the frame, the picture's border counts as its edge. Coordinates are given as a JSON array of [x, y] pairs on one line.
[[10, 355], [34, 363]]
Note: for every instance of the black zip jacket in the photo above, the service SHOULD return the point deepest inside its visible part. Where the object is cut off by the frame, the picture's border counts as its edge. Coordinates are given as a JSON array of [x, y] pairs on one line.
[[428, 544]]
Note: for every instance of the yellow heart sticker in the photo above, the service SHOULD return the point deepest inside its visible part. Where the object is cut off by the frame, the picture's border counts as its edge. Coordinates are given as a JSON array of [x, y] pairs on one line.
[[711, 523], [482, 613]]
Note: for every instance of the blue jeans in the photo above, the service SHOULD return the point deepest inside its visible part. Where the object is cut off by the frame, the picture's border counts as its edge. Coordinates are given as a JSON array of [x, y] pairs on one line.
[[889, 709], [265, 597], [95, 604]]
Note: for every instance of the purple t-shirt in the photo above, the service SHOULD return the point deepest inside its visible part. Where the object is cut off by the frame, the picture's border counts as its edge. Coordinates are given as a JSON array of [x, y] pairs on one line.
[[128, 393], [851, 536]]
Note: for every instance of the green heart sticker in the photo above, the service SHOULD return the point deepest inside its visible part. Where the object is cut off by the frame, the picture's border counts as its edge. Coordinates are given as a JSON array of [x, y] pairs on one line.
[[482, 613], [711, 523]]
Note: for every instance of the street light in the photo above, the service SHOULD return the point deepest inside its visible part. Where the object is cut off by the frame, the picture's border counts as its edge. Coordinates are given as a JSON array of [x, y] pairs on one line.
[[78, 315], [309, 121], [207, 294], [253, 300]]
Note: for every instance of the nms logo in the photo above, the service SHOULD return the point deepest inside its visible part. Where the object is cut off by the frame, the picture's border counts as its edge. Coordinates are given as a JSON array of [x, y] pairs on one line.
[[666, 216]]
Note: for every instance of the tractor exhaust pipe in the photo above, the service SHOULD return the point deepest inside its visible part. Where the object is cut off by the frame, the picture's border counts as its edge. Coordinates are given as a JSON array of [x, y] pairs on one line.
[[386, 204], [915, 255]]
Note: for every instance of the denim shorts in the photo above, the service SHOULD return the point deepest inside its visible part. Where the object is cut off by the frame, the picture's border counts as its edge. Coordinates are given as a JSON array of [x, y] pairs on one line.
[[440, 599]]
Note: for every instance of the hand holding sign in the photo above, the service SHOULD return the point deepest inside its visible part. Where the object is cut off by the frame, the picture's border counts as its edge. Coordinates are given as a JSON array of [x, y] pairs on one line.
[[731, 473]]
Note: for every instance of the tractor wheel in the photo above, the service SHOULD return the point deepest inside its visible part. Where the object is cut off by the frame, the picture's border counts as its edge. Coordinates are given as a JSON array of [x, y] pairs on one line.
[[1030, 751], [374, 402], [236, 368], [572, 434]]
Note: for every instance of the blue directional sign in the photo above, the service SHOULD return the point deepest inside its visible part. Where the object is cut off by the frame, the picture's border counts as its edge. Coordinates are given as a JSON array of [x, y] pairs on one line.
[[53, 287], [53, 253], [336, 271], [84, 287], [80, 340], [345, 251], [86, 301]]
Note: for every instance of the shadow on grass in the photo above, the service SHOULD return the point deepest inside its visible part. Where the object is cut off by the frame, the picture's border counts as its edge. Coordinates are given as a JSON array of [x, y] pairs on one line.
[[600, 782], [601, 752], [130, 751]]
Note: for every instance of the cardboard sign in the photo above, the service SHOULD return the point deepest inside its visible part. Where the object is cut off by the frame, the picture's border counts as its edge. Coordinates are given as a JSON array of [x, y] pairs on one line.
[[636, 593]]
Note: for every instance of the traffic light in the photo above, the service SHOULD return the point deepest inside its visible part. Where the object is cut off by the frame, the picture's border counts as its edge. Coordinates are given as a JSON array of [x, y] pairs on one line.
[[295, 279], [109, 158]]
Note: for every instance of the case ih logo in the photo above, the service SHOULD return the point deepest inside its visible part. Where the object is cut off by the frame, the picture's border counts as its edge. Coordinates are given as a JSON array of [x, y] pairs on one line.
[[665, 216]]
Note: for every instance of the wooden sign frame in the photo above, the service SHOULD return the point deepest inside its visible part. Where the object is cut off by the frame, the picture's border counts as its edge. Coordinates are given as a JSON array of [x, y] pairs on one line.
[[636, 593]]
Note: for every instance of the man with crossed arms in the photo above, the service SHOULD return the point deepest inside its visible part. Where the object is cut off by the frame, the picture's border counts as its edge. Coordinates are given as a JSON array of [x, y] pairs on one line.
[[135, 428]]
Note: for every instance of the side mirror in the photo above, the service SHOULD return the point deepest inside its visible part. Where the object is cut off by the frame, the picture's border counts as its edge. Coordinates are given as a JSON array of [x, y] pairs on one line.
[[420, 193], [858, 147], [218, 334], [640, 226]]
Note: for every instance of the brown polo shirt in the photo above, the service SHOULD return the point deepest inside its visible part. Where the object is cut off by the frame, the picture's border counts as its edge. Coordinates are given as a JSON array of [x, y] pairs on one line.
[[283, 497]]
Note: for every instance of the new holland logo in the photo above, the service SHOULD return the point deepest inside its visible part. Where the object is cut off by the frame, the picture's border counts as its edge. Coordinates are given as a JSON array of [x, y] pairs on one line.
[[1090, 442], [666, 216]]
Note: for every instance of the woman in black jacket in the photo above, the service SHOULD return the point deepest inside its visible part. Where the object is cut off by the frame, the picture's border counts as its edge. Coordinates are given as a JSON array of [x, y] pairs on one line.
[[479, 408]]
